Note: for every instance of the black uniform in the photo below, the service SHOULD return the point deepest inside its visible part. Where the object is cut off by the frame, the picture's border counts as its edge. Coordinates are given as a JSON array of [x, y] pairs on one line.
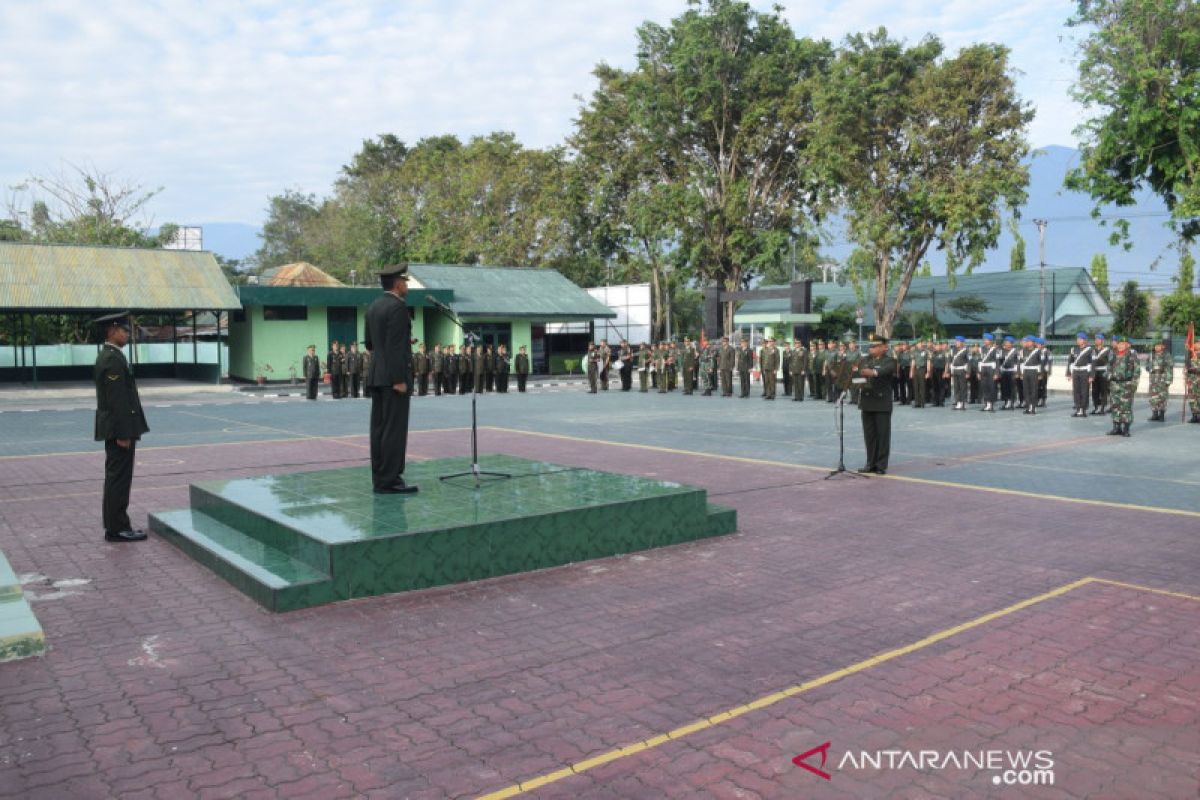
[[388, 329], [875, 403], [353, 369], [311, 367], [522, 371], [1100, 363], [119, 415], [502, 365], [1080, 366]]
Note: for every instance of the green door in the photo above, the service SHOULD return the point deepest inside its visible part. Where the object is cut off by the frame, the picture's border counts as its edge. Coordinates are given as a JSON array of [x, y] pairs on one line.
[[342, 324]]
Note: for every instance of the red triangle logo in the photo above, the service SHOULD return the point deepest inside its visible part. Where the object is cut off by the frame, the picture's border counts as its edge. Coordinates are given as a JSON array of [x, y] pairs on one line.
[[799, 760]]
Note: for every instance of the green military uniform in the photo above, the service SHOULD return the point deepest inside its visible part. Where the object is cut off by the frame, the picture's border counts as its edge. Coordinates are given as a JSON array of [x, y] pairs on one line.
[[1162, 372], [798, 366], [660, 369], [521, 366], [1192, 381], [437, 361], [919, 368], [120, 423], [643, 362], [1123, 373], [726, 359], [745, 361], [689, 369], [875, 404], [768, 362], [707, 364], [817, 368]]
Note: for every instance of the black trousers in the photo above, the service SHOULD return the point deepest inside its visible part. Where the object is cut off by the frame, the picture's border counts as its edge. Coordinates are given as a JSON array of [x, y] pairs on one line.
[[423, 384], [744, 382], [118, 479], [437, 383], [988, 385], [335, 386], [1029, 388], [1099, 389], [1080, 389], [502, 382], [465, 381], [355, 382], [312, 388], [877, 434], [521, 378], [627, 377], [389, 436], [960, 387], [1008, 386]]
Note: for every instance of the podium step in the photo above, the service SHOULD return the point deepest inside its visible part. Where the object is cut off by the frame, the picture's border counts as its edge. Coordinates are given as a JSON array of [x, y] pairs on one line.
[[21, 635], [270, 576]]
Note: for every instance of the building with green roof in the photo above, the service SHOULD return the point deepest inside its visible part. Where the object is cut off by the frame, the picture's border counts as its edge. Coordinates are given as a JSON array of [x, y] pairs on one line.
[[84, 282], [509, 305], [976, 303]]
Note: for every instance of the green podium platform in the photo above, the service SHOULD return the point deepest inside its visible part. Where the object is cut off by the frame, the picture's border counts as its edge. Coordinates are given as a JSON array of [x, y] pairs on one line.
[[305, 539]]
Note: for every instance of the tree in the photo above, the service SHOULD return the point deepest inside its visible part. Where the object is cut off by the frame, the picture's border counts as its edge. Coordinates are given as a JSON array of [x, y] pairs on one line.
[[707, 142], [283, 233], [82, 205], [1016, 258], [926, 150], [1186, 278], [1131, 311], [969, 306], [1099, 271], [1139, 77]]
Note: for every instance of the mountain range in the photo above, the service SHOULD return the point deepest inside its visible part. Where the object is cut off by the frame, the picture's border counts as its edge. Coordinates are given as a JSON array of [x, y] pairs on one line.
[[1073, 237]]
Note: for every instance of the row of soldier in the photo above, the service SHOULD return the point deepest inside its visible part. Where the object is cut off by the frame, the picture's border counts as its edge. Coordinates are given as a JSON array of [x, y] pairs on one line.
[[1013, 373], [444, 370]]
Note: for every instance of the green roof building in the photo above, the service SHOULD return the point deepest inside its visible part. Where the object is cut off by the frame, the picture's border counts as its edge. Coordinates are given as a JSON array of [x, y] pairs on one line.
[[509, 305], [980, 302]]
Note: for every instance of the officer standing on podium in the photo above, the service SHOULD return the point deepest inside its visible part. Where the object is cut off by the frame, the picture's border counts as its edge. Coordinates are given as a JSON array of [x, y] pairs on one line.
[[388, 340]]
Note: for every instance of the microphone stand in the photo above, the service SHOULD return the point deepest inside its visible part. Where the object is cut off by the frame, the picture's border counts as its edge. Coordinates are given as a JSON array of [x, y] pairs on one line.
[[841, 431], [475, 472]]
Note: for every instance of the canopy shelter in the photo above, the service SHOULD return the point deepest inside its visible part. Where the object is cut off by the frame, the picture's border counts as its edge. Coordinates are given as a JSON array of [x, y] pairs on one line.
[[83, 282]]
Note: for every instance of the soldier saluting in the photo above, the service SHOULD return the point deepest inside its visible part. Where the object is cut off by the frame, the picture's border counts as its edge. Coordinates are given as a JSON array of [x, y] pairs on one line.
[[120, 422]]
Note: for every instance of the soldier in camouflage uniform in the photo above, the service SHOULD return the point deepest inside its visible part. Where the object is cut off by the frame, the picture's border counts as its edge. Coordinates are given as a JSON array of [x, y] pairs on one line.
[[707, 364], [1123, 374], [1192, 377], [1162, 371]]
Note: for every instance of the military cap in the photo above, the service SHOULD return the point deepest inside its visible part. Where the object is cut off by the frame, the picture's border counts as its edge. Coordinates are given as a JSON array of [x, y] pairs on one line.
[[877, 339], [960, 338], [1009, 339], [987, 337], [394, 271], [1100, 336], [1120, 337], [1081, 335], [120, 320]]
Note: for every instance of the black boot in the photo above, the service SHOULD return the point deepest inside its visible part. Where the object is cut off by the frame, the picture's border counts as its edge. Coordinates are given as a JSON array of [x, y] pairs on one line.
[[1125, 429], [1116, 429], [1195, 418]]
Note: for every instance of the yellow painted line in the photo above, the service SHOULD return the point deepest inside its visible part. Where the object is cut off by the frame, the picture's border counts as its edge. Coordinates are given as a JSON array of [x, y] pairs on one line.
[[96, 493], [771, 699], [292, 438], [1040, 496], [1151, 589], [968, 486], [660, 449]]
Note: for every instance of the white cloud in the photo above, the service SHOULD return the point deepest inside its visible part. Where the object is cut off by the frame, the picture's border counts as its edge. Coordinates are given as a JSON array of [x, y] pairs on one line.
[[225, 103]]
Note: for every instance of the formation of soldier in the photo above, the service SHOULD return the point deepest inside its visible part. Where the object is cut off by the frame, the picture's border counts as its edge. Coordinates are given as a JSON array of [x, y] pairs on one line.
[[1005, 374], [446, 370]]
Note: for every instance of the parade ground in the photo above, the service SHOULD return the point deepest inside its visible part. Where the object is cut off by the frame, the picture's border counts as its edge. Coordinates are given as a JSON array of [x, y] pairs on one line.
[[1012, 611]]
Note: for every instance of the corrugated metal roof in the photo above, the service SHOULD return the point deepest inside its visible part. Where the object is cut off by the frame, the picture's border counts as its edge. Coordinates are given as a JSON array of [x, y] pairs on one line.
[[511, 292], [300, 273], [55, 277], [1011, 297]]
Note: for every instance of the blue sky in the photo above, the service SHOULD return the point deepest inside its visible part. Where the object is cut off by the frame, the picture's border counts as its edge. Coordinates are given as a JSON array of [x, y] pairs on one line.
[[226, 102]]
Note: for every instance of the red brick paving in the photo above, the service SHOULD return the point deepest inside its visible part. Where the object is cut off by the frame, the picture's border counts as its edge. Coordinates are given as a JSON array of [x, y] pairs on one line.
[[163, 681]]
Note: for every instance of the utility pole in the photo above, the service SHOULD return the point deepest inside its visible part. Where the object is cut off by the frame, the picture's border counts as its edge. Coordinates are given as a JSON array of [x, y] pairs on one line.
[[1041, 226], [793, 249]]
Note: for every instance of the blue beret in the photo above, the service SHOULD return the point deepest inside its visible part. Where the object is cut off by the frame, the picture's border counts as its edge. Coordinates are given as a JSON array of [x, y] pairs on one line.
[[1081, 335], [1039, 340], [1100, 336], [959, 339], [987, 337], [1009, 339]]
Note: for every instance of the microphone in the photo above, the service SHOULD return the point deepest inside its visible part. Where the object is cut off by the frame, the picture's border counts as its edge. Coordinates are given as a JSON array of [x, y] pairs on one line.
[[439, 305]]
